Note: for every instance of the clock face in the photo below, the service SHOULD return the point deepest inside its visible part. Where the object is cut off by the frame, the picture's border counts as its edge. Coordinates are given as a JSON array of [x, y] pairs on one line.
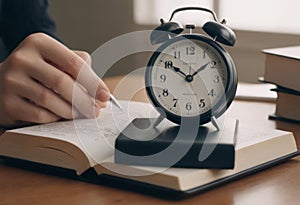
[[187, 77]]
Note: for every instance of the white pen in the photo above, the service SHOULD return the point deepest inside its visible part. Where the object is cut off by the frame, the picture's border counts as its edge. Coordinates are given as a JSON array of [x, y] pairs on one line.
[[115, 102]]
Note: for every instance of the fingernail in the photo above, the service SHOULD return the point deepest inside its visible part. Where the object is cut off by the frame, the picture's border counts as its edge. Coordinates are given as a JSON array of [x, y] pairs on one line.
[[103, 95]]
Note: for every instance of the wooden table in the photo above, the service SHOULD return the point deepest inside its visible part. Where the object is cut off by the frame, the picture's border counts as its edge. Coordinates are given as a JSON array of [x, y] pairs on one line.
[[277, 185]]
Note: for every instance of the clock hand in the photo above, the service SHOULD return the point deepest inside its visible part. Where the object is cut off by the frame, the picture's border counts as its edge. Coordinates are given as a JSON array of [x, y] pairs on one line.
[[199, 69], [177, 70], [189, 78]]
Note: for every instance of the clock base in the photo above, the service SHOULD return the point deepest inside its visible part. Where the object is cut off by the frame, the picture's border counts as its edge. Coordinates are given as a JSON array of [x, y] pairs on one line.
[[166, 146]]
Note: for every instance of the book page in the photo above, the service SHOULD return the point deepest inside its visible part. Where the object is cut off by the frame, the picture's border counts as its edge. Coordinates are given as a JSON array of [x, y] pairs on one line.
[[256, 92], [249, 135], [95, 137], [289, 52]]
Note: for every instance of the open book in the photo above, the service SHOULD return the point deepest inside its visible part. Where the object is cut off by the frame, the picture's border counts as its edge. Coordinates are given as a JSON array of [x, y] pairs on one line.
[[89, 143]]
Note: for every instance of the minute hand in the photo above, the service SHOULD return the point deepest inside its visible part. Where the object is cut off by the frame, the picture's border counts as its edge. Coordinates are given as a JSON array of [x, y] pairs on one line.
[[199, 69]]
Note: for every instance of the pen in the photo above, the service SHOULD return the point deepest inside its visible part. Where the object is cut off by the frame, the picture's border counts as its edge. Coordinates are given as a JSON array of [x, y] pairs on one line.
[[115, 102]]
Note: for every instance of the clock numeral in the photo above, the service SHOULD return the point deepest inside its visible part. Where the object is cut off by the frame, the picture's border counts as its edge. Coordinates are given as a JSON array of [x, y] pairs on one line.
[[168, 64], [212, 93], [204, 54], [213, 64], [217, 79], [176, 54], [202, 103], [165, 92], [188, 106], [190, 50], [163, 78], [175, 102]]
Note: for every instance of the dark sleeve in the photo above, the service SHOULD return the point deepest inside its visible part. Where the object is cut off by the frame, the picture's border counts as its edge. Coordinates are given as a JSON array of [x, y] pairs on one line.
[[20, 18]]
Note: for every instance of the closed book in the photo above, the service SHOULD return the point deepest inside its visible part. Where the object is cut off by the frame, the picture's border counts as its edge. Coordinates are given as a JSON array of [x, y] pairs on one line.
[[282, 67], [171, 147], [287, 104]]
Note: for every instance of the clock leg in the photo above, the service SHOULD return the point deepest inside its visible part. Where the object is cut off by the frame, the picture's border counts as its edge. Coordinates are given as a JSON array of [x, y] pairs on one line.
[[215, 123], [159, 119]]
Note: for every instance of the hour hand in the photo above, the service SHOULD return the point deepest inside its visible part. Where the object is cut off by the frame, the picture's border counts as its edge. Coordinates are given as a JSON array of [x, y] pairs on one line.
[[178, 70], [199, 69]]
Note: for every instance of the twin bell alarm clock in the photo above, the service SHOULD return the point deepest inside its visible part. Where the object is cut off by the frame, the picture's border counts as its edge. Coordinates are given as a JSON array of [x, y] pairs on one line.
[[190, 75], [191, 80]]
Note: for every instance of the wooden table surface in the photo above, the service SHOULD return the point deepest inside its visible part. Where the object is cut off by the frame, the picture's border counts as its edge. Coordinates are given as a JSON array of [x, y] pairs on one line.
[[277, 185]]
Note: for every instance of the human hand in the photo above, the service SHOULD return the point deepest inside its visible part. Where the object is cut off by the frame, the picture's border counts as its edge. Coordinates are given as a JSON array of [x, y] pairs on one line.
[[37, 82]]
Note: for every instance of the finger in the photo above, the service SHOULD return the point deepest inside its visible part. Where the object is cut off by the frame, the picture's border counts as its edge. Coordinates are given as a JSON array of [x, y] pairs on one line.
[[97, 90], [23, 110], [101, 104], [68, 61], [85, 56], [66, 87], [46, 98]]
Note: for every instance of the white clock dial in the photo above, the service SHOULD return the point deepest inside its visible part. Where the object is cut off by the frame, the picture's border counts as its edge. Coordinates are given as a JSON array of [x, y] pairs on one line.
[[188, 77]]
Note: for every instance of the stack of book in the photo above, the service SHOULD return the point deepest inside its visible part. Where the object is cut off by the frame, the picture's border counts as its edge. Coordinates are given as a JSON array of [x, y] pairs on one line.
[[282, 68]]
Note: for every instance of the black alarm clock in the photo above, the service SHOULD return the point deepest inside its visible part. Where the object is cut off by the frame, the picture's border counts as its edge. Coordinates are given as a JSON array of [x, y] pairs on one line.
[[190, 75]]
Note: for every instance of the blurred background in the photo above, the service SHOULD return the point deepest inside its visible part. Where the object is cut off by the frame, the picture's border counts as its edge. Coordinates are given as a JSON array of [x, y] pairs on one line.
[[258, 24]]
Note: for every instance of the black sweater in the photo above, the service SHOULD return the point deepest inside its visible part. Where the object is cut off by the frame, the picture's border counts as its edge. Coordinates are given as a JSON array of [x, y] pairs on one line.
[[20, 18]]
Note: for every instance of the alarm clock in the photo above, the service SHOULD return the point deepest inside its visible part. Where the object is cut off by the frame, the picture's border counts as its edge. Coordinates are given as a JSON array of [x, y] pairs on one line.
[[190, 75]]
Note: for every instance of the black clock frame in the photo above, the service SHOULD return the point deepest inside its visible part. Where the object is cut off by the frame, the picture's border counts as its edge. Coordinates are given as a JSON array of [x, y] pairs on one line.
[[219, 108]]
